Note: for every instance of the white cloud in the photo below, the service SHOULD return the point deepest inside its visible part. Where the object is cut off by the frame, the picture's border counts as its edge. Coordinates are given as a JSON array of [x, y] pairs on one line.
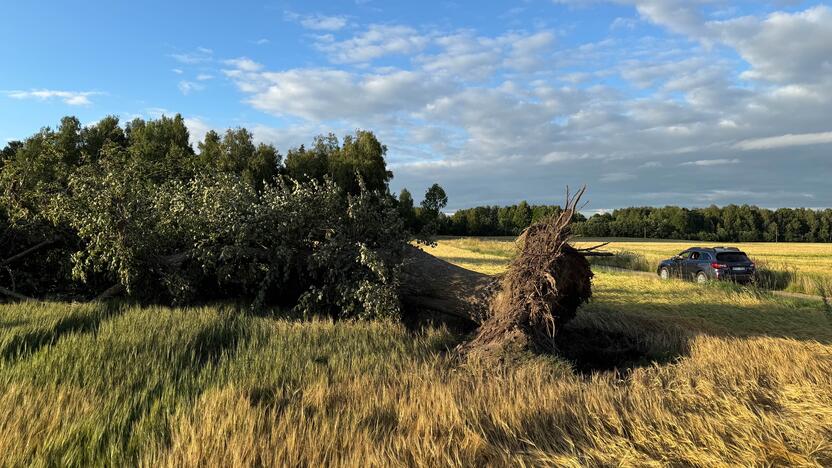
[[624, 23], [325, 94], [197, 128], [784, 47], [244, 64], [458, 105], [157, 112], [323, 23], [377, 41], [462, 54], [197, 56], [617, 177], [204, 77], [72, 98], [785, 141], [178, 71], [527, 50], [188, 87], [317, 22], [710, 162], [680, 16]]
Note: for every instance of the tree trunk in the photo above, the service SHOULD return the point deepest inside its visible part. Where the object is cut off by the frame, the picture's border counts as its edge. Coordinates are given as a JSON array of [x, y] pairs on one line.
[[435, 289]]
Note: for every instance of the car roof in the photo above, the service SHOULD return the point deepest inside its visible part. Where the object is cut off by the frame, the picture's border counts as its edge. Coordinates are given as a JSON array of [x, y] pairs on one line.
[[715, 249]]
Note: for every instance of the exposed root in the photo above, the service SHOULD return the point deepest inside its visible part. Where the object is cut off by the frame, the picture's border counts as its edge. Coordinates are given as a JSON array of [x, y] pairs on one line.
[[544, 286]]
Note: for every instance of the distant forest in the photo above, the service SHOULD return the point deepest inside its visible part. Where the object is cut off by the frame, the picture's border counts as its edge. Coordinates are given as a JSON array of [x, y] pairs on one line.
[[731, 223]]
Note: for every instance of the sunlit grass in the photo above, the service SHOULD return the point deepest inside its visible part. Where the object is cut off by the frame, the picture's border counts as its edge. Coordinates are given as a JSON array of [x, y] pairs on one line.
[[795, 267], [717, 376]]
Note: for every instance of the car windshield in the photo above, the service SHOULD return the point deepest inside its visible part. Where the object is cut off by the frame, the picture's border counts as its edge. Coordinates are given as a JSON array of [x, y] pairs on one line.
[[732, 257]]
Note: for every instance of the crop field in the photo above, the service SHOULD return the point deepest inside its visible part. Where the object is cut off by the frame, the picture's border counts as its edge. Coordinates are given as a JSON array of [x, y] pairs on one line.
[[650, 373], [796, 267]]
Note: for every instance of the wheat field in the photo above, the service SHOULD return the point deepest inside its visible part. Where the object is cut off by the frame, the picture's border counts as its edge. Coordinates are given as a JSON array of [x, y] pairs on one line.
[[796, 267], [650, 374]]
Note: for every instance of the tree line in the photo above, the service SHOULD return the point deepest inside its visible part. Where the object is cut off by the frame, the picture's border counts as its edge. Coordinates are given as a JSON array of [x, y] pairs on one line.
[[730, 223], [497, 220]]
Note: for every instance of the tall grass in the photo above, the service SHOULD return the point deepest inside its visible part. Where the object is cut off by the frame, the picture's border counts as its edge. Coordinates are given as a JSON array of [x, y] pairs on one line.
[[651, 373]]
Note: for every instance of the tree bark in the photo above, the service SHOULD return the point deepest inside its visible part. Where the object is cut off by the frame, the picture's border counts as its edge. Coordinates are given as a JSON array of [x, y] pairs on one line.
[[27, 252], [434, 288], [111, 292]]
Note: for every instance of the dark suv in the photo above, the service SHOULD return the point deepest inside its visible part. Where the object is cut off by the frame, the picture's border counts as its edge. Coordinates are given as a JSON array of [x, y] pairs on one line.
[[714, 263]]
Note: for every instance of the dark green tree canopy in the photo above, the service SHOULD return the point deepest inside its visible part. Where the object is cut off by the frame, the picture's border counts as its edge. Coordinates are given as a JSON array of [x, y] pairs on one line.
[[360, 156], [236, 153], [435, 199]]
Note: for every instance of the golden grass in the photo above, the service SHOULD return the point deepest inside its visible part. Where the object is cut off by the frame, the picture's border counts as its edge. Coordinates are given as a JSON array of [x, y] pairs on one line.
[[717, 377], [796, 267], [706, 410]]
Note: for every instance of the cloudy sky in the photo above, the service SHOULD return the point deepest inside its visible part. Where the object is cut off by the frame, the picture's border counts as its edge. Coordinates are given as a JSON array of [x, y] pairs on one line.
[[648, 102]]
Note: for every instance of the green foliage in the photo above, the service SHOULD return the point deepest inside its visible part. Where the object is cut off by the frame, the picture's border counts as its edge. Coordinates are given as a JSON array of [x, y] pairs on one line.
[[236, 153], [110, 205], [307, 243], [162, 147], [361, 156], [435, 199], [406, 210], [139, 208]]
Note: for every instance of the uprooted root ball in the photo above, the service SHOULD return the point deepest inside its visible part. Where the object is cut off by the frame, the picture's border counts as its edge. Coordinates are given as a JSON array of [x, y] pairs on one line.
[[544, 286]]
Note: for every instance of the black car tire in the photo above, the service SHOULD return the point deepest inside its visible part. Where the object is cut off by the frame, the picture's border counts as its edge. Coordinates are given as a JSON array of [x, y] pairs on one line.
[[701, 277], [664, 274]]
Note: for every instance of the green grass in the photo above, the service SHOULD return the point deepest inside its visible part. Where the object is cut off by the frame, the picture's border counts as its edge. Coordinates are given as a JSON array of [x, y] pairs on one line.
[[650, 373]]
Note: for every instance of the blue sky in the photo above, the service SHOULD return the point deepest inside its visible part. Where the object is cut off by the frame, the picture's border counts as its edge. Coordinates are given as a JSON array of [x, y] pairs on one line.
[[649, 102]]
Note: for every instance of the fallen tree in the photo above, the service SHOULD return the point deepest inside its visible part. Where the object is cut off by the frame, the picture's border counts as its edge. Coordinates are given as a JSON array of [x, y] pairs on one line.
[[105, 211], [519, 310]]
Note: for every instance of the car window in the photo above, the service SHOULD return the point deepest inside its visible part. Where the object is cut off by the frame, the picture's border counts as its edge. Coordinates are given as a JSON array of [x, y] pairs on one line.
[[694, 255], [706, 256], [684, 254], [732, 257]]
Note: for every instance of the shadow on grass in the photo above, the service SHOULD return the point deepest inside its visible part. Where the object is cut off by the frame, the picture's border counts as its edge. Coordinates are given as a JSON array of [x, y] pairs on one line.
[[13, 323], [617, 343], [209, 345], [749, 312], [29, 342]]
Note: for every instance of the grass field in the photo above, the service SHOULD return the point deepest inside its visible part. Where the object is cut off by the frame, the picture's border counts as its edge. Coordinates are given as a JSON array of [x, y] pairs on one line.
[[651, 373], [796, 267]]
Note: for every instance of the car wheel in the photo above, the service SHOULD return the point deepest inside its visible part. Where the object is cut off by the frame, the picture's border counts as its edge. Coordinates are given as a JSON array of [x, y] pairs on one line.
[[664, 273], [701, 277]]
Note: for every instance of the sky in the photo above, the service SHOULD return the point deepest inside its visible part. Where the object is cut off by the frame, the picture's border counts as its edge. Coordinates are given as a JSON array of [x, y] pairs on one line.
[[647, 102]]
